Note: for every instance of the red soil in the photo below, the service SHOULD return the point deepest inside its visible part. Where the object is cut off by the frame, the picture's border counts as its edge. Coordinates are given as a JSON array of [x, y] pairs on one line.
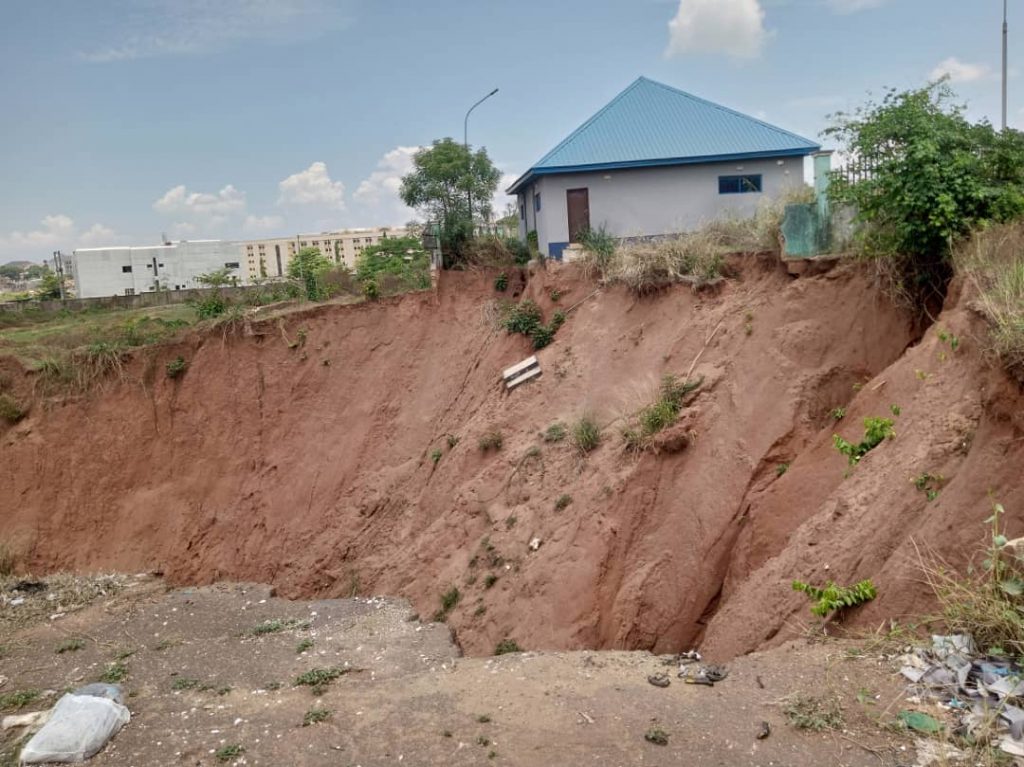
[[309, 466]]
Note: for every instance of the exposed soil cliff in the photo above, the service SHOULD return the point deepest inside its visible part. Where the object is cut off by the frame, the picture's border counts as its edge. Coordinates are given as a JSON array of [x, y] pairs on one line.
[[299, 453]]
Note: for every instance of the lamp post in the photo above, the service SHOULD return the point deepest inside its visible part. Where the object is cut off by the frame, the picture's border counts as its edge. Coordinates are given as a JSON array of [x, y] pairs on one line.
[[1004, 65], [465, 145]]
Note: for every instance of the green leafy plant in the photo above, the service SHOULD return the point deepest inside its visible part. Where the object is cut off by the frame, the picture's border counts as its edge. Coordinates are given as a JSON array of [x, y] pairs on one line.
[[832, 597], [229, 752], [948, 338], [562, 502], [838, 413], [449, 599], [875, 431], [929, 484], [114, 673], [275, 625], [176, 367], [501, 282], [435, 455], [586, 434], [781, 469], [317, 679], [895, 410], [302, 646], [555, 295], [13, 701], [184, 683], [315, 716]]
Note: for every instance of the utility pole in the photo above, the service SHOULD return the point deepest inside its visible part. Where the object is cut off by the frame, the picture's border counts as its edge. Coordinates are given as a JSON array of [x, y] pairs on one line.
[[465, 145], [1004, 64], [58, 268]]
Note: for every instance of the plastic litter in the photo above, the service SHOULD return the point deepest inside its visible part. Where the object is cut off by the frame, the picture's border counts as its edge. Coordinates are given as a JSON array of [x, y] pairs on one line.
[[659, 680], [79, 726]]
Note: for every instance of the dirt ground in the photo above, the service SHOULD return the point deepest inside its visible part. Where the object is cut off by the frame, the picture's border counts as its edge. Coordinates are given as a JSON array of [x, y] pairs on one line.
[[300, 452], [199, 680]]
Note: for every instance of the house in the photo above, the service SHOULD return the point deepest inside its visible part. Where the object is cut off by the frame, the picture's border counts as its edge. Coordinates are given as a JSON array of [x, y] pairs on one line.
[[655, 161]]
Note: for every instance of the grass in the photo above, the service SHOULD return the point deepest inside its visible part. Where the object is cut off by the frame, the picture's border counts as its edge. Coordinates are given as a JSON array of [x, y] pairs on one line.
[[229, 752], [315, 716], [450, 598], [986, 601], [562, 502], [13, 701], [184, 683], [305, 644], [483, 718], [659, 414], [586, 434], [490, 580], [507, 646], [817, 714], [176, 368], [435, 455], [70, 645], [993, 262], [556, 432], [114, 673], [492, 440], [8, 559], [276, 625]]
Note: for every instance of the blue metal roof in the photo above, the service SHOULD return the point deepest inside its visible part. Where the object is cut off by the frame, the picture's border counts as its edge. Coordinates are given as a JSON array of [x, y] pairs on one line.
[[651, 124]]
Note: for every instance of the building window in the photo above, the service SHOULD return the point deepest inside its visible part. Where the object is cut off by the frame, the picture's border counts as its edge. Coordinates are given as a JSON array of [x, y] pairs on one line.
[[536, 203], [522, 211], [129, 291], [126, 269], [303, 244], [230, 264], [739, 184]]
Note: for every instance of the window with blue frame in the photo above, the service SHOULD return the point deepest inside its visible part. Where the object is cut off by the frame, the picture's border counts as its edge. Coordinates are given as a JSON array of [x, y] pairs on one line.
[[536, 203], [739, 184]]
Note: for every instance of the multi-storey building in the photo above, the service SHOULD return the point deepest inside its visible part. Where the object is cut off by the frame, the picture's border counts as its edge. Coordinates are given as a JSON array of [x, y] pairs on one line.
[[269, 258]]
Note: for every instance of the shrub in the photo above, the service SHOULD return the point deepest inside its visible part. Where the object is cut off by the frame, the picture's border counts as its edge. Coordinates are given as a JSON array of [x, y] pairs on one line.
[[501, 282], [317, 679], [10, 410], [657, 736], [586, 434], [661, 413], [563, 502], [315, 716], [74, 644], [600, 248], [176, 367], [532, 241], [875, 430], [492, 440], [435, 455], [507, 646], [523, 317], [450, 598], [832, 597], [933, 177], [229, 752], [211, 306]]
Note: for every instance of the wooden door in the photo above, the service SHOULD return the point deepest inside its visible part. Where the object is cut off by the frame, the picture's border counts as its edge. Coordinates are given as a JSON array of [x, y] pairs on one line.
[[578, 204]]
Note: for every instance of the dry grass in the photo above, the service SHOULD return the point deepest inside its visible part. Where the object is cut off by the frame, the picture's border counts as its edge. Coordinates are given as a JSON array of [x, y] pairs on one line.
[[993, 261], [64, 593], [697, 257]]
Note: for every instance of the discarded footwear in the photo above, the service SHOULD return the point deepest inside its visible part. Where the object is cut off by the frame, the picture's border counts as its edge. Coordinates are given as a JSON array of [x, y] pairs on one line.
[[659, 680]]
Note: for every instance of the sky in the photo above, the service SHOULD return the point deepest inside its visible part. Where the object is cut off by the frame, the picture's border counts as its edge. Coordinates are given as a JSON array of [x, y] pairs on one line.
[[122, 120]]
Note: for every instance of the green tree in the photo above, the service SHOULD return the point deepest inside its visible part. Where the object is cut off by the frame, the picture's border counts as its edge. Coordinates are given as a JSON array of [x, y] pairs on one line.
[[452, 186], [402, 257], [308, 266], [218, 278], [35, 271], [49, 286], [934, 176], [11, 271]]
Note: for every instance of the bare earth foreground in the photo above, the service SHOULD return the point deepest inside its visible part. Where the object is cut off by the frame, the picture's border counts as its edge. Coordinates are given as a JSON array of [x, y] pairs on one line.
[[199, 680]]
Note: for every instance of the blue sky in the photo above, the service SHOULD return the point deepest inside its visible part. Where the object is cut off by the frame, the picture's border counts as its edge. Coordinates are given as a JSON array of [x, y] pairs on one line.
[[122, 119]]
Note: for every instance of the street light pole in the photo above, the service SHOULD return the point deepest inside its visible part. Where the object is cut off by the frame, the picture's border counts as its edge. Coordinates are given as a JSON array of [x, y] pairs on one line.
[[465, 145], [1004, 65]]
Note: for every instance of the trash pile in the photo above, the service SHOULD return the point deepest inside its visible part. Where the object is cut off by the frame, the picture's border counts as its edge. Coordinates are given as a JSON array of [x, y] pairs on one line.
[[983, 692], [691, 670]]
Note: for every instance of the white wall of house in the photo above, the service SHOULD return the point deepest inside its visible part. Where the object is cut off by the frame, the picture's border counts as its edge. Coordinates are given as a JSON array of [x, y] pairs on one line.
[[654, 201], [130, 270]]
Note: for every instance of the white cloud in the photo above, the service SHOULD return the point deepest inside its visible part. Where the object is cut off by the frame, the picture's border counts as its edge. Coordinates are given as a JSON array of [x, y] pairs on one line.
[[853, 6], [192, 27], [312, 186], [178, 200], [733, 27], [960, 71], [386, 181], [262, 224], [57, 231]]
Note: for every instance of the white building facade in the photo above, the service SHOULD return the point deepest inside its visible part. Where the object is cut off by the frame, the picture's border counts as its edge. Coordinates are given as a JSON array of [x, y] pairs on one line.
[[127, 271]]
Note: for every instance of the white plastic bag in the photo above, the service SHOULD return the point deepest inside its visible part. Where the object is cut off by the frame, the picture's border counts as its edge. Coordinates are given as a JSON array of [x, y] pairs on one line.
[[79, 726]]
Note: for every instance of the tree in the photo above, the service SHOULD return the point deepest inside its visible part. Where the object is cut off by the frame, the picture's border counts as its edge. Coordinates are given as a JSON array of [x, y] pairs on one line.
[[308, 265], [452, 186], [35, 271], [218, 278], [49, 285], [933, 176], [11, 271]]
